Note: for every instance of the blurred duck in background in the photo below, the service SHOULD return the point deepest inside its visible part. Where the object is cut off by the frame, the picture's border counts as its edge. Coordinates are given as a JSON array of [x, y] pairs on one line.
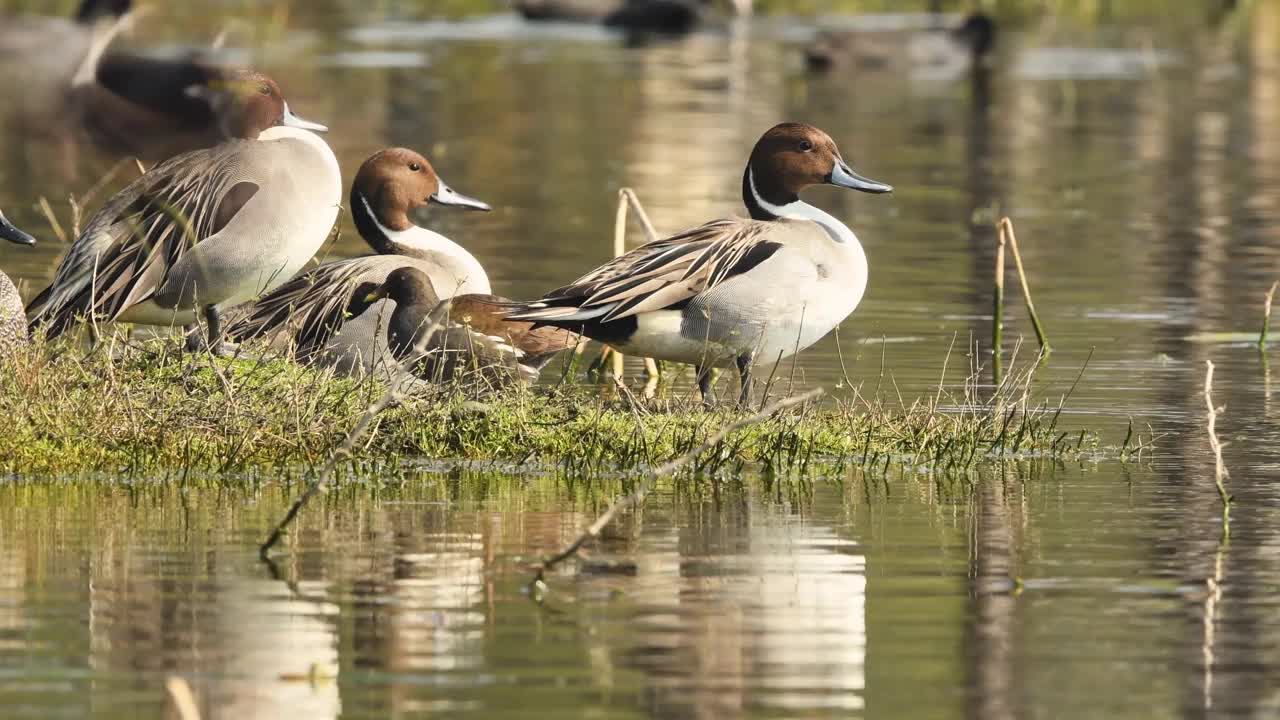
[[205, 230], [670, 17], [43, 58], [68, 85], [329, 316], [938, 52], [154, 109], [13, 321]]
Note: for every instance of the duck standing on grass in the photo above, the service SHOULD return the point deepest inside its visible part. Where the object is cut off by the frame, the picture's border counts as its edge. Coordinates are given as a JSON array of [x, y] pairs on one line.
[[323, 316], [204, 230], [13, 321], [733, 290]]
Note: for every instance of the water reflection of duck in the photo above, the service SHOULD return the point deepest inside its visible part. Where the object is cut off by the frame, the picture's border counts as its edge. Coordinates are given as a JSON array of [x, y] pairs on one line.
[[13, 321], [947, 50], [731, 291], [656, 16]]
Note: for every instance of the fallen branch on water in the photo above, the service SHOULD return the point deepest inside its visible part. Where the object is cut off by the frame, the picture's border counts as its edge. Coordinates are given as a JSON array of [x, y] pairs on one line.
[[637, 496]]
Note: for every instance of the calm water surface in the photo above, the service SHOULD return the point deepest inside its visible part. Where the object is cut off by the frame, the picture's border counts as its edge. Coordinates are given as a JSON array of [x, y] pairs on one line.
[[1146, 188]]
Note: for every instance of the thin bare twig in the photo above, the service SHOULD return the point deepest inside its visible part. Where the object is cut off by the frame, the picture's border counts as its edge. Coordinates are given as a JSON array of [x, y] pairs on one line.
[[637, 496], [1219, 468], [401, 373]]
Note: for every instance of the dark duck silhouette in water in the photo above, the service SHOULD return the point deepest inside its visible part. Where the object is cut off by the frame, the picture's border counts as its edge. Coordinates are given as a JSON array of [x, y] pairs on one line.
[[958, 48], [669, 17]]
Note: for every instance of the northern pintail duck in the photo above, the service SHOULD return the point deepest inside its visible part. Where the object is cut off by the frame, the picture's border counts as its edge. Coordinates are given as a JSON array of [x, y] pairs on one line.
[[321, 314], [733, 290], [936, 51], [204, 230], [13, 321], [469, 338]]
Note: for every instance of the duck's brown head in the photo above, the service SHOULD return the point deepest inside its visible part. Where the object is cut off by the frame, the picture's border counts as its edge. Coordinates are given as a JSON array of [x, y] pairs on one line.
[[248, 102], [791, 157], [396, 180]]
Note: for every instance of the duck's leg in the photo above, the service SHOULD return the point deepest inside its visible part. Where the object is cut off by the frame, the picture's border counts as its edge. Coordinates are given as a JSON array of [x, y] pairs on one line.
[[745, 362], [704, 386], [192, 332], [214, 319]]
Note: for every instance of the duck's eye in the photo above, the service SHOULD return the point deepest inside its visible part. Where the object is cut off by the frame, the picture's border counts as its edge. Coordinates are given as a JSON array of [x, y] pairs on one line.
[[415, 166], [805, 146], [264, 90]]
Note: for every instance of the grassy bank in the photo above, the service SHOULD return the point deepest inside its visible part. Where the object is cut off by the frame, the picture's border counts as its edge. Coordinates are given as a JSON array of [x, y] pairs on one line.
[[146, 408]]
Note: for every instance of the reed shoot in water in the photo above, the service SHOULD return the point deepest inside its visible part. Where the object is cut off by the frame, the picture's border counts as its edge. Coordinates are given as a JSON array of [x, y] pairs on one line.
[[1266, 317], [1006, 230]]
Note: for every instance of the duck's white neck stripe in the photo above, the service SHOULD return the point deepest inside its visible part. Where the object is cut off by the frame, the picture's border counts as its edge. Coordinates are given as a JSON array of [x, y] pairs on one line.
[[453, 258], [801, 210]]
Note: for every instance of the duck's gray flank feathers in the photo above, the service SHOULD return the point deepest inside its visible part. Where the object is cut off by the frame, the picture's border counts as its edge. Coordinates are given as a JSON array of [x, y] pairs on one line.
[[664, 273], [314, 306], [142, 231]]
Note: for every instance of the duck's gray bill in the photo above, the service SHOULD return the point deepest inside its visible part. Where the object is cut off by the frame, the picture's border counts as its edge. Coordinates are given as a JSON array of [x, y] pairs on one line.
[[448, 196], [291, 120], [10, 232], [843, 176]]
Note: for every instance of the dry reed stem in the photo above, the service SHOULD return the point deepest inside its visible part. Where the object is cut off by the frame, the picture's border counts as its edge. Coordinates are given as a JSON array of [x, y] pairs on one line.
[[997, 311], [53, 220], [627, 199], [182, 697], [637, 496], [1219, 468], [1266, 316], [401, 373], [1006, 227]]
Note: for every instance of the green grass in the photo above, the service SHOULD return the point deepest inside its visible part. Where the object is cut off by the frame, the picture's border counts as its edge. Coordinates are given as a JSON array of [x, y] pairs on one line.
[[146, 408]]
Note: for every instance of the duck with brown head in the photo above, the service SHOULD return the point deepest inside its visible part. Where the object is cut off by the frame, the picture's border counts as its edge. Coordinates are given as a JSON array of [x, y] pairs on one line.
[[733, 290], [156, 109], [13, 322], [319, 314], [204, 230], [440, 343]]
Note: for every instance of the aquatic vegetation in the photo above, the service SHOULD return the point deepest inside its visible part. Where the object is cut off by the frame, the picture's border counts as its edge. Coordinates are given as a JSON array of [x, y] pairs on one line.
[[146, 408]]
